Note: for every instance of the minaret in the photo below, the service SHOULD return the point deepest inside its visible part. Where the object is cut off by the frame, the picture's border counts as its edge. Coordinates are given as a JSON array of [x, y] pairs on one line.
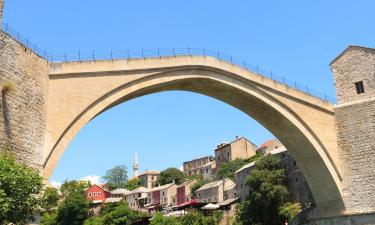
[[135, 166]]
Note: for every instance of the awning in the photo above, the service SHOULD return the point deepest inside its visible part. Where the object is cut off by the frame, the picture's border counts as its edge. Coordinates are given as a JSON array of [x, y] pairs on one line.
[[190, 203], [210, 206], [229, 201]]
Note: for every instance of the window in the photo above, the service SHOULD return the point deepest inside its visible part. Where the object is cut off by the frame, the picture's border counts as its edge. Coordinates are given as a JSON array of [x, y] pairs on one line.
[[295, 163], [359, 87], [98, 193], [89, 194]]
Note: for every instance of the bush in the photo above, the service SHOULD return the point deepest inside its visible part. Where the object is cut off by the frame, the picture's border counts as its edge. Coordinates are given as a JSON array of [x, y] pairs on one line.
[[20, 191]]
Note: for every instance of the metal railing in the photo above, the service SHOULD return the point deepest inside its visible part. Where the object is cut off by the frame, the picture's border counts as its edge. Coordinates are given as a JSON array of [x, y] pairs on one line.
[[24, 41], [162, 52]]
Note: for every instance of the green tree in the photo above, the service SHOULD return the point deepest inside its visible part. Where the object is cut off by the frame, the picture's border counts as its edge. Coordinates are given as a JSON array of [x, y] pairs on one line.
[[171, 174], [133, 184], [117, 176], [227, 170], [49, 218], [121, 214], [73, 186], [73, 210], [115, 214], [290, 210], [50, 198], [20, 191], [160, 219], [267, 193]]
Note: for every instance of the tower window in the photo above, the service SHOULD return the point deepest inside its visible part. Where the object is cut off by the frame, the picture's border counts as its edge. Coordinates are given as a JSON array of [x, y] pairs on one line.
[[359, 87]]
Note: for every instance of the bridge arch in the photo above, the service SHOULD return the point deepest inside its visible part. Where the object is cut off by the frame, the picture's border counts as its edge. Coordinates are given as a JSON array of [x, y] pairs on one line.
[[305, 125]]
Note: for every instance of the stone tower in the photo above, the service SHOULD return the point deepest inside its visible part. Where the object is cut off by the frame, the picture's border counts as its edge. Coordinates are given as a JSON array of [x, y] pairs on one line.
[[354, 76], [135, 166]]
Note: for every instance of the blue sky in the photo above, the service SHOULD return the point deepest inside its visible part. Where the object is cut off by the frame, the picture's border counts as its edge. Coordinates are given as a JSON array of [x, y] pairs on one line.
[[295, 38]]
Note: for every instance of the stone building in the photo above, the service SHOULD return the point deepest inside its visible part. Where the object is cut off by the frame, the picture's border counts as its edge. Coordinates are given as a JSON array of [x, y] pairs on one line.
[[240, 177], [295, 181], [209, 171], [149, 178], [137, 198], [298, 188], [196, 166], [162, 196], [215, 192], [354, 77], [184, 193], [241, 148], [268, 146]]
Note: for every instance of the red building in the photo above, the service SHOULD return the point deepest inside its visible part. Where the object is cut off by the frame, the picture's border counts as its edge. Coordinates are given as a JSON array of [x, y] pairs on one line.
[[181, 195], [156, 197], [97, 194]]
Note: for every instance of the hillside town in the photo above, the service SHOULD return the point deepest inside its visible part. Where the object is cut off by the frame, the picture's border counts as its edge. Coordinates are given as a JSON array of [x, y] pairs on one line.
[[215, 193]]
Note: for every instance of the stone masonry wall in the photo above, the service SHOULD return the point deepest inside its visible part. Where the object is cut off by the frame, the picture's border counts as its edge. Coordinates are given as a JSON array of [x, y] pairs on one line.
[[23, 110], [1, 10], [355, 64], [355, 123]]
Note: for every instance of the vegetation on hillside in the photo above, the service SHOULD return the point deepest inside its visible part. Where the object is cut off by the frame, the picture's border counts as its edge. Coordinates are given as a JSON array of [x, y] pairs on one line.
[[133, 184], [267, 203], [193, 218], [20, 191], [227, 170], [73, 209], [171, 175], [115, 214]]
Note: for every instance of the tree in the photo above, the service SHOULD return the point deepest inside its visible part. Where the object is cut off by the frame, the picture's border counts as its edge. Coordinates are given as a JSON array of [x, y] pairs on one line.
[[227, 170], [115, 214], [50, 198], [121, 214], [133, 184], [20, 191], [117, 176], [73, 186], [267, 193], [290, 210], [73, 210], [49, 218], [160, 219], [171, 175]]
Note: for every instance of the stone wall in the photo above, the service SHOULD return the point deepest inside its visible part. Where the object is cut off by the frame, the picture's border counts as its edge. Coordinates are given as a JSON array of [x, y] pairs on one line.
[[353, 65], [23, 109], [359, 219], [1, 10], [355, 123]]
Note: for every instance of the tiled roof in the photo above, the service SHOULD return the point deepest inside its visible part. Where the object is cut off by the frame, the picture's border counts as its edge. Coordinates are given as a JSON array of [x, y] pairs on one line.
[[265, 144], [138, 190], [210, 185], [119, 191], [165, 186], [186, 183]]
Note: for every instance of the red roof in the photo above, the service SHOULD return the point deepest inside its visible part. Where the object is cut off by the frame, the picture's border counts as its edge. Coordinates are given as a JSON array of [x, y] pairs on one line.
[[192, 202], [265, 144]]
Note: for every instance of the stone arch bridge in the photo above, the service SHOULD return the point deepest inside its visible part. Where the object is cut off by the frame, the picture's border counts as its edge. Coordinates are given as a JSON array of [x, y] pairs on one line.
[[79, 91]]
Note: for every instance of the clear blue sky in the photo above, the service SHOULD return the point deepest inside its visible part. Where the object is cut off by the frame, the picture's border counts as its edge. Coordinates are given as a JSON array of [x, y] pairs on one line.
[[295, 38]]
